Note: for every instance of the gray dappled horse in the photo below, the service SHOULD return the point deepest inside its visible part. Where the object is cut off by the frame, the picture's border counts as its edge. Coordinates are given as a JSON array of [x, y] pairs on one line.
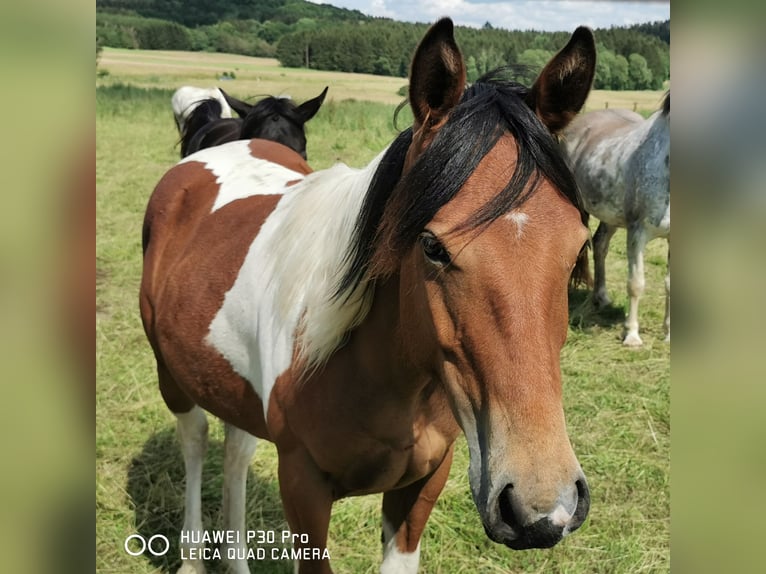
[[622, 165]]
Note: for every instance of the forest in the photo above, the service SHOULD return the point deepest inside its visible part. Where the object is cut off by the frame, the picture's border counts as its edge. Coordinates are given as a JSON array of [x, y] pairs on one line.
[[324, 37]]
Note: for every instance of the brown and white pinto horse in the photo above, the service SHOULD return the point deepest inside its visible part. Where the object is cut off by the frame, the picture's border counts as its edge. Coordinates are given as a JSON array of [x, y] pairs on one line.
[[359, 319]]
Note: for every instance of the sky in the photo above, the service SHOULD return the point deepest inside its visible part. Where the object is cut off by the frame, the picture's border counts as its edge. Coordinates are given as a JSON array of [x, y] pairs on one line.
[[549, 15]]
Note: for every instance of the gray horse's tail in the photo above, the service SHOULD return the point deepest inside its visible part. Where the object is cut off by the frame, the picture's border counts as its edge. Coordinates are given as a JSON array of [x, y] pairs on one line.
[[581, 272]]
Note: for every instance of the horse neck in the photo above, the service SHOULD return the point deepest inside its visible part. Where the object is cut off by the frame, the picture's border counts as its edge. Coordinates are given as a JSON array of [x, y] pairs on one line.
[[660, 126], [392, 351], [637, 136], [651, 138]]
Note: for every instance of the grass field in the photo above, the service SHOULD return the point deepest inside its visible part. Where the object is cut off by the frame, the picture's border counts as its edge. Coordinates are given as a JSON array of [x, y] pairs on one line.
[[616, 400], [262, 76]]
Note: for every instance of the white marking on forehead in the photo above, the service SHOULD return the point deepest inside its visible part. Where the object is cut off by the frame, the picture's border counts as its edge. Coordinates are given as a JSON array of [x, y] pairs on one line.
[[240, 175], [520, 219]]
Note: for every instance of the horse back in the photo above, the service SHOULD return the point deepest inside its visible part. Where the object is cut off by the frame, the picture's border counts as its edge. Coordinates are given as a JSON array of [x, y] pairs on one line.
[[194, 247], [597, 146], [588, 130]]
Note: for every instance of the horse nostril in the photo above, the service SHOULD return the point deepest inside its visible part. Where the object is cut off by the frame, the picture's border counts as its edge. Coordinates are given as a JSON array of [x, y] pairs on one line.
[[506, 508], [583, 504]]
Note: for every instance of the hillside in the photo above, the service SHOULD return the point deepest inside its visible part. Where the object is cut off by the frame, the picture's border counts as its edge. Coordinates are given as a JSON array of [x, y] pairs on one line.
[[324, 37], [205, 12]]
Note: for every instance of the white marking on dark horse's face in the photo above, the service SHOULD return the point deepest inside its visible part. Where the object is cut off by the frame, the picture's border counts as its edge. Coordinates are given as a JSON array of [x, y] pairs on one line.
[[520, 219]]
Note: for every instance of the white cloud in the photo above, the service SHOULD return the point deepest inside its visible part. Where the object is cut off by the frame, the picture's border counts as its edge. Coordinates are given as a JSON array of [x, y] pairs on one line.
[[549, 15]]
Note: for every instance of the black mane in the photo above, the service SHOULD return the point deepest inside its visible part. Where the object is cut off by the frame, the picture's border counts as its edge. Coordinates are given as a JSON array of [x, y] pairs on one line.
[[489, 108]]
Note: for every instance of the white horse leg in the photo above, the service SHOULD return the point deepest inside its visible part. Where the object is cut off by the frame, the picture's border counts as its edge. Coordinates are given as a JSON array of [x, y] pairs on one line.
[[636, 243], [601, 241], [666, 322], [239, 447], [394, 560], [192, 432]]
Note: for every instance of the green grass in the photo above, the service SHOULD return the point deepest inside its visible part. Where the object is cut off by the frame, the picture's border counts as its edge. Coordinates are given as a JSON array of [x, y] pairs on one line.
[[616, 399]]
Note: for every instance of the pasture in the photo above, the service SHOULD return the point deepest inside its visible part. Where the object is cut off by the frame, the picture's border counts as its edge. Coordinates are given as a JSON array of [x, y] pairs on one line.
[[616, 399]]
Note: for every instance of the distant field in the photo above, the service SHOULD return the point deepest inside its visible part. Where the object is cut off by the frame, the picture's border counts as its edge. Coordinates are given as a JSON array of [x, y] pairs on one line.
[[262, 76], [254, 76], [616, 400]]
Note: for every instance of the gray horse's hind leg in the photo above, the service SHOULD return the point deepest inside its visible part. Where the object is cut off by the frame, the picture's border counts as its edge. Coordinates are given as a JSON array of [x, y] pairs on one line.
[[601, 240]]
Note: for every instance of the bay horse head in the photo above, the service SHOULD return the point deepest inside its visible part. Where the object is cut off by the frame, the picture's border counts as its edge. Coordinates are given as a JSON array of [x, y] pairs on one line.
[[482, 229]]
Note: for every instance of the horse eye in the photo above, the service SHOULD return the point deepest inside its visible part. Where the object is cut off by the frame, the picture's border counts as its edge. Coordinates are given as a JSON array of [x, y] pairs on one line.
[[434, 250]]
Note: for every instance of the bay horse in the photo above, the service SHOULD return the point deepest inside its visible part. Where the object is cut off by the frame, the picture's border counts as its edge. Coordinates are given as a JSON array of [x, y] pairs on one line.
[[621, 162], [360, 318], [186, 99], [275, 119]]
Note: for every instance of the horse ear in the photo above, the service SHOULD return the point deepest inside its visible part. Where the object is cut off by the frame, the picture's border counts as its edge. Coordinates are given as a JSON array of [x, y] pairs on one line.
[[437, 75], [309, 108], [563, 85], [242, 108]]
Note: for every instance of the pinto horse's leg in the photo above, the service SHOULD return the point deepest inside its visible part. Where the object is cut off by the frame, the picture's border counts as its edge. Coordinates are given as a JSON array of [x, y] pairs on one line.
[[192, 432], [239, 447], [601, 240], [405, 512], [307, 500], [666, 322], [637, 239], [191, 424]]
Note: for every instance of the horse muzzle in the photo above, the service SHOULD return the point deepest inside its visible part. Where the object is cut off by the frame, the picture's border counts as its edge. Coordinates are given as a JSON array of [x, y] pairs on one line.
[[513, 523]]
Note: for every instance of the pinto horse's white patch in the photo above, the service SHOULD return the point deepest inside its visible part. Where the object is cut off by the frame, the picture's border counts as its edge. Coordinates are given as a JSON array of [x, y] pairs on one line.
[[240, 175], [286, 283]]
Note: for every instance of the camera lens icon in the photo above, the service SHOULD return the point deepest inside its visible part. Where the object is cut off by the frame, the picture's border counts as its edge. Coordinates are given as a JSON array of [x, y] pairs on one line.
[[157, 545]]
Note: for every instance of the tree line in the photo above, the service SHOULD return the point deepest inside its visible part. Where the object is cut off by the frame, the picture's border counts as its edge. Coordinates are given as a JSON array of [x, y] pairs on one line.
[[323, 37]]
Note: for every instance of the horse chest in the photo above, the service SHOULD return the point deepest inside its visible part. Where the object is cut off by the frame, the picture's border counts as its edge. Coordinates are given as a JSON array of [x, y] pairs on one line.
[[363, 451], [379, 464]]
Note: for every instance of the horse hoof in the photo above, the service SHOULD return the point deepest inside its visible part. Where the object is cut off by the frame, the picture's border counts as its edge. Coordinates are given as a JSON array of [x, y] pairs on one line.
[[601, 302], [632, 340]]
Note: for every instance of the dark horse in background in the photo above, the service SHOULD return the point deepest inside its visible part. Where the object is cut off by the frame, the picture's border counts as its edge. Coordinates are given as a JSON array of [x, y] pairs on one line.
[[274, 119]]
